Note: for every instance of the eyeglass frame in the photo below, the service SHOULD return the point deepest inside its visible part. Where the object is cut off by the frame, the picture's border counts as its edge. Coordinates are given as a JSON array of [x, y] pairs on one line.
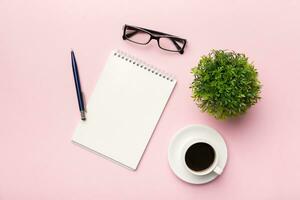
[[156, 35]]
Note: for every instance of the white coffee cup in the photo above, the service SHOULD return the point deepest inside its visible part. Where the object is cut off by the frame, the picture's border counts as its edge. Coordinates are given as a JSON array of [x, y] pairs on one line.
[[212, 168]]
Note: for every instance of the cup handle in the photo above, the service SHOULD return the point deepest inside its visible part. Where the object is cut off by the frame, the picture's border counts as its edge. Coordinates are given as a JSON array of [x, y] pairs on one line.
[[218, 170]]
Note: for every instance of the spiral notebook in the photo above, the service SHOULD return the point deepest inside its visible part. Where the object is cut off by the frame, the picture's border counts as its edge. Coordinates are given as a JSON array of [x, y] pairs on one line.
[[124, 109]]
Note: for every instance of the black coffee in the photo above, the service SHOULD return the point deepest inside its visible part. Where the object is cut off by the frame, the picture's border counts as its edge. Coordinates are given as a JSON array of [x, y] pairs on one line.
[[199, 156]]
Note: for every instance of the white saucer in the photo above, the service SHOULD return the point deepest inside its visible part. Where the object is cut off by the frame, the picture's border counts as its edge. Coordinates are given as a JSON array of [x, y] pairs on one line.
[[179, 140]]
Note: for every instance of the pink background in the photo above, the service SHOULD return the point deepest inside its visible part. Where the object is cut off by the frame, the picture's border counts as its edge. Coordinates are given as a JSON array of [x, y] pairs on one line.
[[39, 109]]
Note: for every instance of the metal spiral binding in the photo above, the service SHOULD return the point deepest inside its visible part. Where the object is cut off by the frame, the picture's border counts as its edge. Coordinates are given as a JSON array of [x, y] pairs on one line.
[[142, 65]]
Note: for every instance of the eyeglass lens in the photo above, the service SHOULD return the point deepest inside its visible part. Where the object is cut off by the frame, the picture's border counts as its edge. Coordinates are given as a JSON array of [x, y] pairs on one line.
[[137, 36], [171, 44]]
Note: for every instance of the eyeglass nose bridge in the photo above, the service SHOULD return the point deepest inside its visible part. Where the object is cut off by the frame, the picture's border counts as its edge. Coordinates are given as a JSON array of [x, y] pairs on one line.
[[154, 37]]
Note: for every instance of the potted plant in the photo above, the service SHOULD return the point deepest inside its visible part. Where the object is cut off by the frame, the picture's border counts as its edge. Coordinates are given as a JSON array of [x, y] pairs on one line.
[[225, 84]]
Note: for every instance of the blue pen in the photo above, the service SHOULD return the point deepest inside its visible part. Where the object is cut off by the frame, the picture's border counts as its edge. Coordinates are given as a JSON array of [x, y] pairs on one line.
[[78, 87]]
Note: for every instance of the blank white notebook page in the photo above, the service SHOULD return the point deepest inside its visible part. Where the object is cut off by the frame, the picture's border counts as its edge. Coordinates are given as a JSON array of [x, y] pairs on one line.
[[124, 109]]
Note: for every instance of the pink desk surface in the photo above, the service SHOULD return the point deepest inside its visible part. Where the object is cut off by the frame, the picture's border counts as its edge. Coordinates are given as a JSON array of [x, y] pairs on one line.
[[39, 108]]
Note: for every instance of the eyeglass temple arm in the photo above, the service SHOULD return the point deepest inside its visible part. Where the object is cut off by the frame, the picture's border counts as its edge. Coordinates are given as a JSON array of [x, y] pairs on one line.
[[157, 32], [176, 45], [128, 35]]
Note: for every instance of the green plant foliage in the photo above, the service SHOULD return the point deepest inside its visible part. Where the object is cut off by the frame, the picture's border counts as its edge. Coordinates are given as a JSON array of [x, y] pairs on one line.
[[225, 84]]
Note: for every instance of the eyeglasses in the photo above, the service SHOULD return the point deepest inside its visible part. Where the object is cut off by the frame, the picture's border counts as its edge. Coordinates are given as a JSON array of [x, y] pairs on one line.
[[143, 36]]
